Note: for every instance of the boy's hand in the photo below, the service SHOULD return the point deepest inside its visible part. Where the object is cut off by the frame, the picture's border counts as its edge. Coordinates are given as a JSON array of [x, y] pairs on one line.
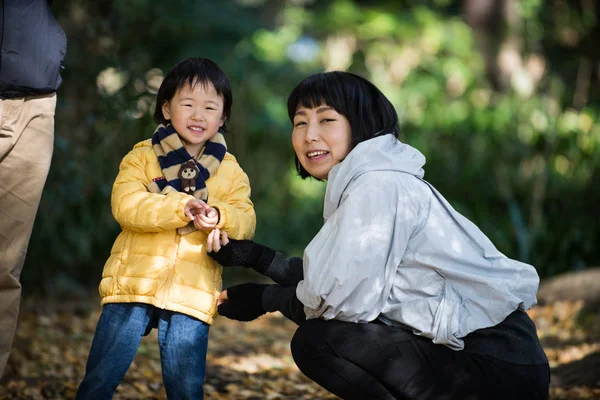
[[204, 216], [194, 207], [208, 219]]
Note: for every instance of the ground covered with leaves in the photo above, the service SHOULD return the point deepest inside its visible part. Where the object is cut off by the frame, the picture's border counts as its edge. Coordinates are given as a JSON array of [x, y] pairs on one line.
[[249, 360]]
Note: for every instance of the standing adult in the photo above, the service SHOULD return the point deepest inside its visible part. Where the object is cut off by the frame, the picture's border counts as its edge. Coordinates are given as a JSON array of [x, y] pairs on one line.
[[33, 46]]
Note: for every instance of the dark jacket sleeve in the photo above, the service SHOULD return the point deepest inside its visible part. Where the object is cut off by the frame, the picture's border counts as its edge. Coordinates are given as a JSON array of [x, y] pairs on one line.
[[284, 300], [285, 271]]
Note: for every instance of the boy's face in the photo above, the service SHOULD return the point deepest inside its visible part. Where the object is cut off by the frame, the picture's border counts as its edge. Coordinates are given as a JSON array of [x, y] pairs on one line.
[[196, 113]]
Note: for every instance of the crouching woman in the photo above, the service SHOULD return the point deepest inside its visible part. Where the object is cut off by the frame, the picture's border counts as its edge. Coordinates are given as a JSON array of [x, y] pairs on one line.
[[398, 296]]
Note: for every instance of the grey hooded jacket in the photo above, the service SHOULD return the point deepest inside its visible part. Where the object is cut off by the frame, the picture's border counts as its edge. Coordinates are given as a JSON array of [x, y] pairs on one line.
[[392, 248]]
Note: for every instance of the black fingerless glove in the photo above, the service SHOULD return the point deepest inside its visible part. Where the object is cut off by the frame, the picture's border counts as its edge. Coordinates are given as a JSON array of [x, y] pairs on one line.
[[244, 302], [245, 253]]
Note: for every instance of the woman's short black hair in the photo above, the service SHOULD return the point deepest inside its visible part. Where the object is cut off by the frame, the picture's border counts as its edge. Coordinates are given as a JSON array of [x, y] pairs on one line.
[[194, 71], [366, 108]]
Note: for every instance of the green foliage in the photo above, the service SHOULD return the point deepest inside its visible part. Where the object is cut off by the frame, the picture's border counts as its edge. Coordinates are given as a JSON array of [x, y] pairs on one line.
[[521, 160]]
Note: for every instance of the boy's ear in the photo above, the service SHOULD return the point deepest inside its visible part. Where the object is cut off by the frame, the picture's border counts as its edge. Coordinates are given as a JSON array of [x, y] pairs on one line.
[[166, 111]]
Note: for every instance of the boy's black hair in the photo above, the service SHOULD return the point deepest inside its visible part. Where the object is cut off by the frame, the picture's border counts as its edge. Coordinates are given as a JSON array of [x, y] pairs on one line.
[[194, 71], [366, 108]]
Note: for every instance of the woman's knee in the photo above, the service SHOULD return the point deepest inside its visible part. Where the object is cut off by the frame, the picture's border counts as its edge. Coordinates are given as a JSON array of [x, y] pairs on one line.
[[316, 340], [309, 341]]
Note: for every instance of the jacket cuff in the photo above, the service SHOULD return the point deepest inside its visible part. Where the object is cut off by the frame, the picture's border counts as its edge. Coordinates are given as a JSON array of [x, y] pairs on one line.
[[181, 207], [223, 214]]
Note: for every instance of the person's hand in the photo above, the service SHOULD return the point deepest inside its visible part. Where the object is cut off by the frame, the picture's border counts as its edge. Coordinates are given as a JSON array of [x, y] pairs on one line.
[[207, 219], [194, 207], [244, 253], [222, 298], [204, 216], [242, 302], [216, 239]]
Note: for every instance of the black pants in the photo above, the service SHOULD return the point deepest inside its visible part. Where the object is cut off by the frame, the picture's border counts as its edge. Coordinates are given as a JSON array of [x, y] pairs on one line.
[[373, 361]]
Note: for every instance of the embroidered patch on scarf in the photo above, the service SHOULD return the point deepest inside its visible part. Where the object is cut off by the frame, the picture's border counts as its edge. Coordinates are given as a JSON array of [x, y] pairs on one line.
[[181, 172]]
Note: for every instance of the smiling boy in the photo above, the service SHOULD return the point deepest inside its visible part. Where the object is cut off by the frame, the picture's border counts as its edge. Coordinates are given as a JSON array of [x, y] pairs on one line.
[[171, 191]]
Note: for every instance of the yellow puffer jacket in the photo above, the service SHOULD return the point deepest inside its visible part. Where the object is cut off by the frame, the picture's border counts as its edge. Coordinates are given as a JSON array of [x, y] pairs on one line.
[[150, 262]]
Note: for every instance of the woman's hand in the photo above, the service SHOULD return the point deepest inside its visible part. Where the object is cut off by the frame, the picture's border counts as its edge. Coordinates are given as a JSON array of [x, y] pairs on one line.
[[242, 302], [216, 239], [222, 298]]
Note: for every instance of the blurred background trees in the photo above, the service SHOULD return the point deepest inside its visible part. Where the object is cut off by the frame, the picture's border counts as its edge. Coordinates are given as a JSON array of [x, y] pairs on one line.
[[502, 97]]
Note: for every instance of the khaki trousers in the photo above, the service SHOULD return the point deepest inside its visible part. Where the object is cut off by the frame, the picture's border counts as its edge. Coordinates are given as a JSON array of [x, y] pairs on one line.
[[26, 145]]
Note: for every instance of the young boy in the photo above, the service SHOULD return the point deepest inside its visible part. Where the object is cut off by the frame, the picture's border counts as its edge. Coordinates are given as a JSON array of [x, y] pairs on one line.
[[171, 191]]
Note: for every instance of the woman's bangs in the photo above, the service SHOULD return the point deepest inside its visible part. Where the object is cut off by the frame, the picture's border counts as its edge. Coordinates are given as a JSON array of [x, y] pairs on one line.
[[311, 95]]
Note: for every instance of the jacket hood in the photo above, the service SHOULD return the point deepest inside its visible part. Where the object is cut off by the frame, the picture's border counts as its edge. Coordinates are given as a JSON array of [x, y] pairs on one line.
[[383, 153]]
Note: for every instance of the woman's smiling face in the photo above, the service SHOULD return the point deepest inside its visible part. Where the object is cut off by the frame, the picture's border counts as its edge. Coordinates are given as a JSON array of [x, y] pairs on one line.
[[321, 139]]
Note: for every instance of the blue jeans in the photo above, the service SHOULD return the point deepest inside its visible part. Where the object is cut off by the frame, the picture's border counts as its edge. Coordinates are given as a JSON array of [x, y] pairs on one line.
[[183, 342]]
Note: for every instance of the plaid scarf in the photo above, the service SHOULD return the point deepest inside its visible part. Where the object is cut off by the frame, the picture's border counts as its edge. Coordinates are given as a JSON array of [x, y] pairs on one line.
[[181, 172]]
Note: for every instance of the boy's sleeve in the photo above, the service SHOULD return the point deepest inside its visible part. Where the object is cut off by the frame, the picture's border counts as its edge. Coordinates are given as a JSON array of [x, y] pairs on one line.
[[236, 211], [138, 210]]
